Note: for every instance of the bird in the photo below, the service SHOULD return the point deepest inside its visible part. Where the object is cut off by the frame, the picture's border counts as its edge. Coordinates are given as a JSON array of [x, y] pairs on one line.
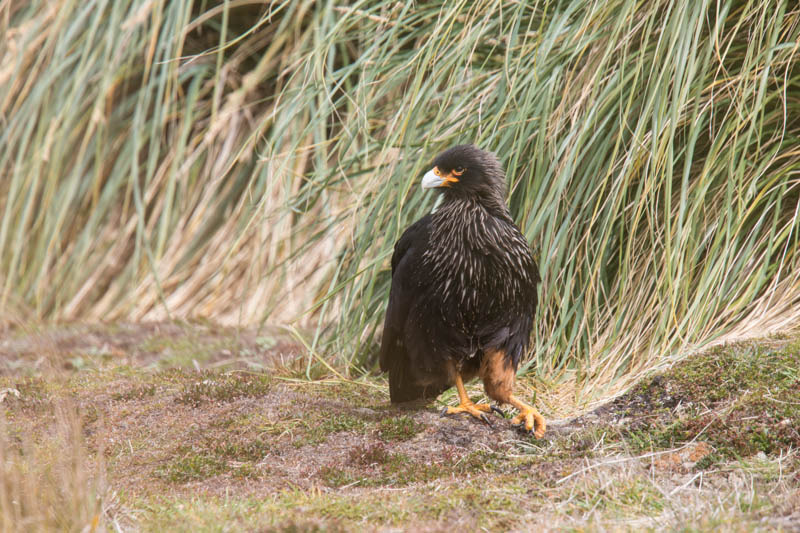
[[463, 293]]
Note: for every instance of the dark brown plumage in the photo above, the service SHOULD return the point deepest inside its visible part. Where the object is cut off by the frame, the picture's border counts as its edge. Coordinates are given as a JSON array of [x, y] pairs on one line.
[[463, 292]]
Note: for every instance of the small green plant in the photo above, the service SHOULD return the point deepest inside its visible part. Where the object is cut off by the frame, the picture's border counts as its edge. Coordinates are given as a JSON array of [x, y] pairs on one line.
[[254, 450], [135, 393], [245, 471], [224, 387], [191, 466], [374, 454], [398, 428], [317, 431], [336, 477]]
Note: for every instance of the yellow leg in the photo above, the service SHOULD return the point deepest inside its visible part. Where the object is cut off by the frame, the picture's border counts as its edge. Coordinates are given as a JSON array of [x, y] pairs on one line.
[[465, 405], [528, 416]]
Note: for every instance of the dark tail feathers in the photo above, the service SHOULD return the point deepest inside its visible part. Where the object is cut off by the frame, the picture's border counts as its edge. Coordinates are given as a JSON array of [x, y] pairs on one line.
[[403, 389]]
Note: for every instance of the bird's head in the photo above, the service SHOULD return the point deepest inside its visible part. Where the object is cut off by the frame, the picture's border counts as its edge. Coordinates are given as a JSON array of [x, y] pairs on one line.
[[467, 171]]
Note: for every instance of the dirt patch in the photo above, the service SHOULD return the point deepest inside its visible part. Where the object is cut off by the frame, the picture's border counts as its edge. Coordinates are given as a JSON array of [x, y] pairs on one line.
[[683, 459], [154, 344]]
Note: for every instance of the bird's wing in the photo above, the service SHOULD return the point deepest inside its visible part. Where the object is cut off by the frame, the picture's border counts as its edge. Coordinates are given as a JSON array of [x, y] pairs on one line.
[[415, 236], [521, 321], [510, 329], [405, 263]]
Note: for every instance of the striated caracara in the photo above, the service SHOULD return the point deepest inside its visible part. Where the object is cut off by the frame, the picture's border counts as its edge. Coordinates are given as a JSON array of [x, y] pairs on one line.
[[463, 293]]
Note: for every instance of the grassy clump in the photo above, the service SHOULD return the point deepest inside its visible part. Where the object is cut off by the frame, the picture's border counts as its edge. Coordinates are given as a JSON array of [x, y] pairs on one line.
[[741, 399], [336, 477], [213, 387], [375, 466], [191, 466], [398, 428], [235, 455], [302, 525], [33, 393], [350, 392], [375, 454], [186, 351], [139, 392], [253, 450], [392, 469], [51, 481], [319, 428]]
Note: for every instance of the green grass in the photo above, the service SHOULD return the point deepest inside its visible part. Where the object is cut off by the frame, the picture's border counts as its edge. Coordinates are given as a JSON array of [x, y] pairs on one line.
[[217, 387], [374, 466], [327, 423], [135, 393], [184, 351], [398, 428], [237, 459], [192, 467]]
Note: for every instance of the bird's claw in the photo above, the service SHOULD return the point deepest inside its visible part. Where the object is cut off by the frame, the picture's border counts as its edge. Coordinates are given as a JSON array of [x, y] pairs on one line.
[[479, 411], [499, 412], [522, 429], [527, 422], [529, 425]]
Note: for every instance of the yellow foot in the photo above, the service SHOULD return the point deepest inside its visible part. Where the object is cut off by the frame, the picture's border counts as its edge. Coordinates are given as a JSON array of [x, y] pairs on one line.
[[527, 419], [478, 410]]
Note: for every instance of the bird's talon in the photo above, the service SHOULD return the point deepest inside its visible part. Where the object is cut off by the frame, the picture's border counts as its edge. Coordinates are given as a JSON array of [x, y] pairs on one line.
[[443, 412], [486, 419], [498, 411]]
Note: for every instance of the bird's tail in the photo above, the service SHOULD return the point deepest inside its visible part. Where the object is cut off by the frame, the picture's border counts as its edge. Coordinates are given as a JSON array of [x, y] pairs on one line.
[[402, 387]]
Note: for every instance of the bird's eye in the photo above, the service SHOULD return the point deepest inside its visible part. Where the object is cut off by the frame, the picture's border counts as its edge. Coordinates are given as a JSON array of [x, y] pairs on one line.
[[458, 171]]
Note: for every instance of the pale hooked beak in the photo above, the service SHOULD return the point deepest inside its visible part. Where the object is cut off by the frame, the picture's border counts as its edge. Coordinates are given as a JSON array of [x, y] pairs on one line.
[[435, 178]]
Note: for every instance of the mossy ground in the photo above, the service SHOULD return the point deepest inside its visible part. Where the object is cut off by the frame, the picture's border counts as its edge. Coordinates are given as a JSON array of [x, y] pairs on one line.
[[232, 439], [734, 401]]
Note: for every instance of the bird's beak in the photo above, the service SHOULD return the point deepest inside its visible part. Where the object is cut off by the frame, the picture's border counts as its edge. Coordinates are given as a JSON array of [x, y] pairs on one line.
[[435, 178]]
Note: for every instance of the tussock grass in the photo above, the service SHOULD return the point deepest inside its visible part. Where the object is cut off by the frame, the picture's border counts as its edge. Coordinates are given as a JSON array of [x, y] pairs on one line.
[[252, 162], [53, 485]]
